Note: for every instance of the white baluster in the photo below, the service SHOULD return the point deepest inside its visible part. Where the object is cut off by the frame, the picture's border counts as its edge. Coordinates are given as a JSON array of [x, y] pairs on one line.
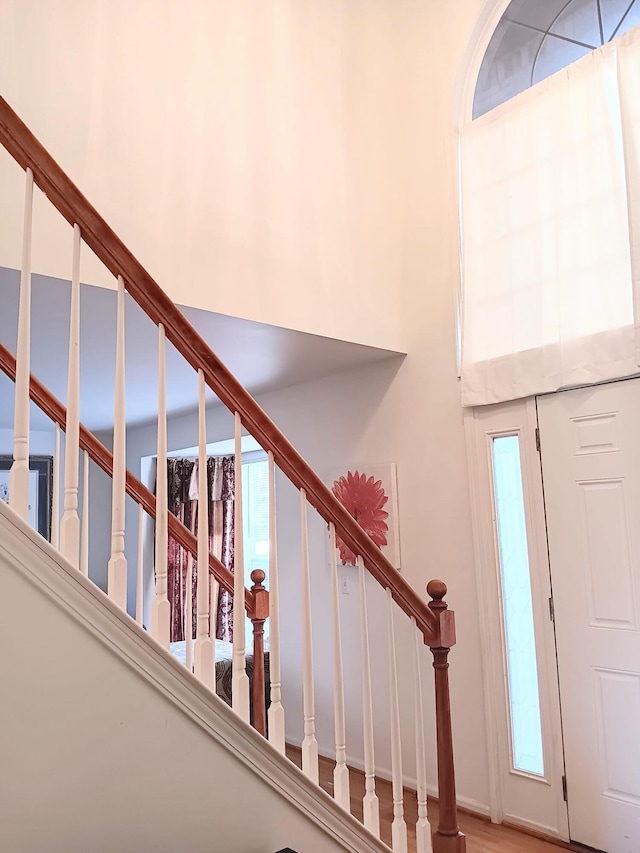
[[309, 744], [370, 803], [398, 827], [188, 621], [70, 524], [19, 473], [161, 610], [214, 591], [55, 499], [140, 568], [276, 708], [204, 645], [341, 791], [84, 529], [117, 568], [423, 830], [240, 680]]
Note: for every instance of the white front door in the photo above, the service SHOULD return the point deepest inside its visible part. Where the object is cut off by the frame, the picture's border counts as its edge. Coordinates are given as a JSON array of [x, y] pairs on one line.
[[590, 447]]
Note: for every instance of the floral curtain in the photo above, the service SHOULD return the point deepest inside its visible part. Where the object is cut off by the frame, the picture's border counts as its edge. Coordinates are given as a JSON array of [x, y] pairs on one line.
[[182, 476]]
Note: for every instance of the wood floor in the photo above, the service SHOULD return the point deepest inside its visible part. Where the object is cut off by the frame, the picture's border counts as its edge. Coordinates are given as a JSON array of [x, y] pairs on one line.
[[482, 836]]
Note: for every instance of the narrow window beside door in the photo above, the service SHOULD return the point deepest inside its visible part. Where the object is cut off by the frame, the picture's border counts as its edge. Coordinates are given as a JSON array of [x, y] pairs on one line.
[[522, 669]]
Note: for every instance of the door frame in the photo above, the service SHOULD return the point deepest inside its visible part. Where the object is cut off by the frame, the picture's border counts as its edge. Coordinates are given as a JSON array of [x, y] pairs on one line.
[[518, 417]]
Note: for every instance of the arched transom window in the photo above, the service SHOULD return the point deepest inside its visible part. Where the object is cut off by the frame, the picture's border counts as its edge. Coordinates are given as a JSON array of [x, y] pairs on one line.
[[550, 201], [536, 38]]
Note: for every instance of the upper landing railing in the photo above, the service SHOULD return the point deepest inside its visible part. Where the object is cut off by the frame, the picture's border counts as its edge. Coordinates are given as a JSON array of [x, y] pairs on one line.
[[433, 622]]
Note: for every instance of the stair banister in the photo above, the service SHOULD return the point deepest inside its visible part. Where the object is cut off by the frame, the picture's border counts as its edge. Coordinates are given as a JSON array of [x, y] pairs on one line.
[[70, 522], [99, 454], [256, 600], [434, 621], [19, 473], [102, 240], [204, 651]]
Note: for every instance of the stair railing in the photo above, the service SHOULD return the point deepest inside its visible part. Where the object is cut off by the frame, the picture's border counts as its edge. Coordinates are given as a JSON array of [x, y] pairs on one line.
[[433, 623], [256, 600]]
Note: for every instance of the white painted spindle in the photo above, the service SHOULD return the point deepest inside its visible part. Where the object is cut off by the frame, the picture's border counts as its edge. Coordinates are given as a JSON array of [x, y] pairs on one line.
[[70, 524], [423, 829], [117, 568], [370, 803], [276, 708], [19, 473], [240, 680], [161, 611], [398, 826], [214, 591], [309, 744], [204, 645], [55, 499], [140, 568], [188, 620], [340, 772], [84, 528]]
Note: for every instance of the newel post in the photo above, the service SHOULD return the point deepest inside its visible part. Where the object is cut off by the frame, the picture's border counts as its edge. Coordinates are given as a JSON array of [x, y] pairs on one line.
[[260, 613], [447, 838]]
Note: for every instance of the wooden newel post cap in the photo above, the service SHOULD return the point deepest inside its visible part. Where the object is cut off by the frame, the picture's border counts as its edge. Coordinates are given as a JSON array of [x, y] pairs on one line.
[[261, 595], [257, 576], [436, 590]]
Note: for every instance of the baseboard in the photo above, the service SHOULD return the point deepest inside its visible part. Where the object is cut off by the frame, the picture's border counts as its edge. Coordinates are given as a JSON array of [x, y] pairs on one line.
[[465, 804], [536, 831]]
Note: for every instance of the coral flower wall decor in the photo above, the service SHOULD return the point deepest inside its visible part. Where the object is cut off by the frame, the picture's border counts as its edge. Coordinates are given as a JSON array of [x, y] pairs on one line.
[[364, 497]]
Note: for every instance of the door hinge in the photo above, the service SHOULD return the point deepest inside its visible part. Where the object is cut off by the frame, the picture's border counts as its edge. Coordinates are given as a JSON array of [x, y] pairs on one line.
[[538, 439], [564, 789], [552, 610]]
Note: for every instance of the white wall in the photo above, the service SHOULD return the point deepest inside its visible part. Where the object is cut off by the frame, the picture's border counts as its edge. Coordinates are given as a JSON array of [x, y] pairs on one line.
[[340, 421], [104, 747], [241, 151], [41, 442], [356, 208]]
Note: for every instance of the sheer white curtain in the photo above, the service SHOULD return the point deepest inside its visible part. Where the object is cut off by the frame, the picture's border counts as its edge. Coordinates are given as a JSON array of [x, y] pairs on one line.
[[547, 284], [629, 85]]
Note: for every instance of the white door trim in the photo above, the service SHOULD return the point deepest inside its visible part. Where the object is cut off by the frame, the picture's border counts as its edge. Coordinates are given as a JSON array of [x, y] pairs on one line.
[[490, 644], [518, 417]]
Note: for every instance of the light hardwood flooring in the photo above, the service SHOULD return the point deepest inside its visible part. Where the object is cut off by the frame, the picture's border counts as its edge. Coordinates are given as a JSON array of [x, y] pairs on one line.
[[482, 836]]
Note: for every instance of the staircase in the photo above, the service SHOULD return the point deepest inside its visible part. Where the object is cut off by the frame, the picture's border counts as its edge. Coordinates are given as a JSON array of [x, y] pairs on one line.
[[122, 652]]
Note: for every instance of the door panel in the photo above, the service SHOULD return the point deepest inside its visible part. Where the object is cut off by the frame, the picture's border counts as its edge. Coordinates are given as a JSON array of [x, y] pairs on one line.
[[590, 446], [533, 799]]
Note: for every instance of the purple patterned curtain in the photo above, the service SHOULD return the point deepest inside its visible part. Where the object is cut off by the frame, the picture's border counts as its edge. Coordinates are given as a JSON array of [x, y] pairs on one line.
[[182, 475]]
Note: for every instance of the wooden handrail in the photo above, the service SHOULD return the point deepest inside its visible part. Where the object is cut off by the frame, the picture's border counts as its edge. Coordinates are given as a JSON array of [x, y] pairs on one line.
[[101, 455], [106, 245]]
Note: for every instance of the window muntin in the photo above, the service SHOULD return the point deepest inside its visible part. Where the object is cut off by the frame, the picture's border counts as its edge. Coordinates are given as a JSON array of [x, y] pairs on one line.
[[536, 38]]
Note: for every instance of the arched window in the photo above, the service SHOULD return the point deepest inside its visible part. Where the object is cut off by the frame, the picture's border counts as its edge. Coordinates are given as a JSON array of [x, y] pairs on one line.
[[536, 38], [550, 201]]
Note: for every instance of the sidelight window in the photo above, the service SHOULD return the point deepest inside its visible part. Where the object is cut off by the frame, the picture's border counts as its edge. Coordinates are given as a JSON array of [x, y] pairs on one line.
[[517, 607]]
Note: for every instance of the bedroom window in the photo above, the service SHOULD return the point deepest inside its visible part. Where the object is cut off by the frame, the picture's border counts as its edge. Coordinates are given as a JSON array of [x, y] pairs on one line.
[[255, 524], [255, 517], [182, 475]]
